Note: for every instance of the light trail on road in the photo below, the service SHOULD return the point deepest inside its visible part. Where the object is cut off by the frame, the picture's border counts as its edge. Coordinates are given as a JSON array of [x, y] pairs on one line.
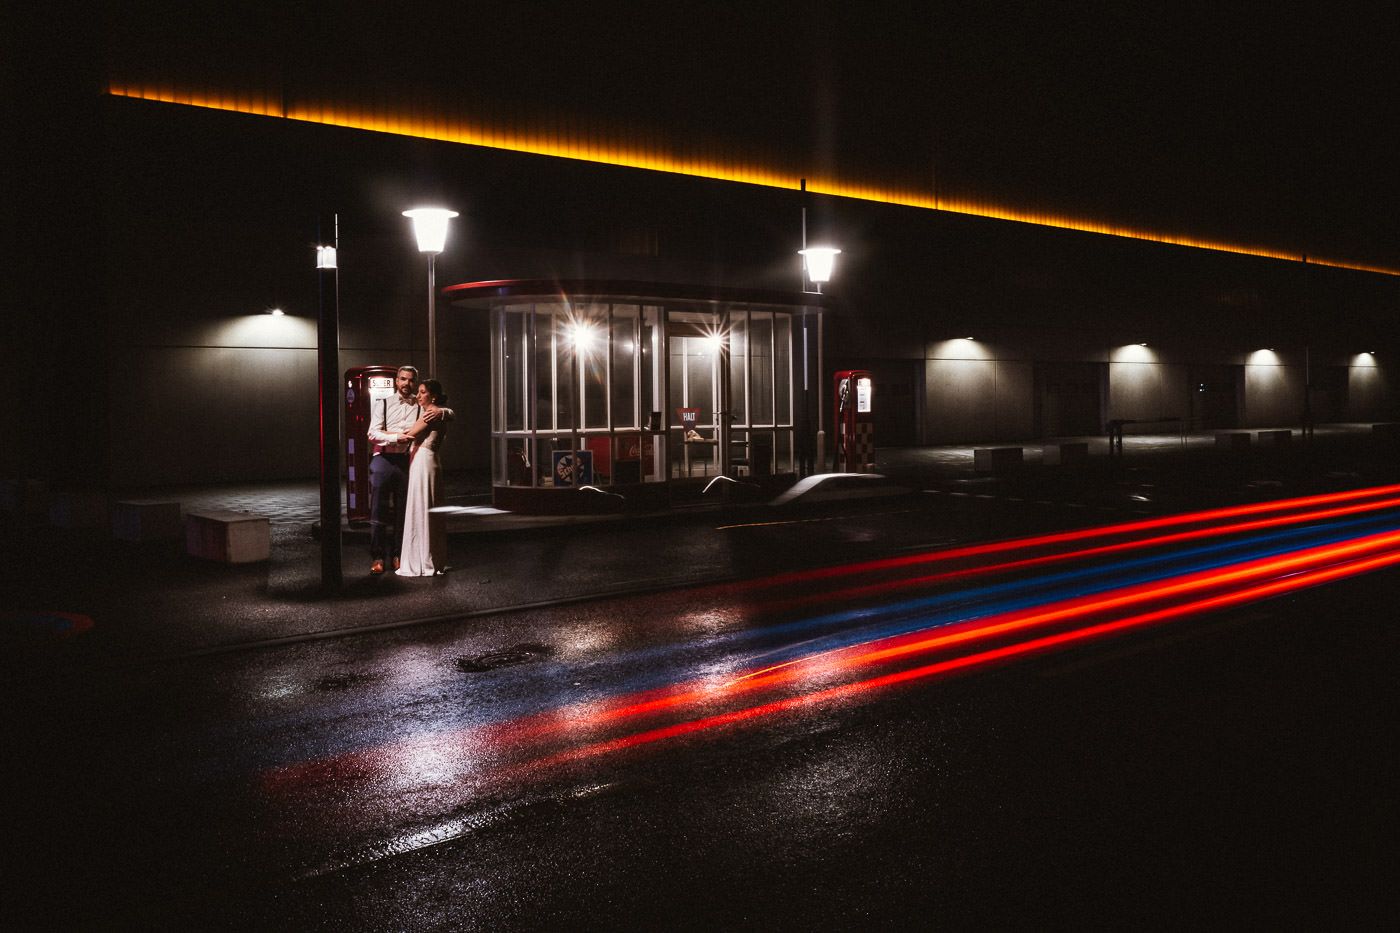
[[1301, 565], [1076, 535], [875, 589], [968, 662], [939, 635]]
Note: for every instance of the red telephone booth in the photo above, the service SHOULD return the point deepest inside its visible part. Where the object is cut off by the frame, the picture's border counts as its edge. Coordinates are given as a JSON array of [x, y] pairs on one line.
[[853, 430], [364, 385]]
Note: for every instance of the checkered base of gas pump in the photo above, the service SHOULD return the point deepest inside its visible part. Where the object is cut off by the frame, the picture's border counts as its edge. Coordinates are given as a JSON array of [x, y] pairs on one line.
[[859, 448]]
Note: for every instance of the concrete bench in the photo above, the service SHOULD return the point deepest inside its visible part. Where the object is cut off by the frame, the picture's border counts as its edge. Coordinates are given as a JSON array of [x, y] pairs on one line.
[[1232, 440], [1064, 454], [997, 459], [1281, 438], [230, 537], [78, 508], [145, 520]]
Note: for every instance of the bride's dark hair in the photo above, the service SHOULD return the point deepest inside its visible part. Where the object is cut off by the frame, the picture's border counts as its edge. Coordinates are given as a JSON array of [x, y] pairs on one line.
[[435, 390]]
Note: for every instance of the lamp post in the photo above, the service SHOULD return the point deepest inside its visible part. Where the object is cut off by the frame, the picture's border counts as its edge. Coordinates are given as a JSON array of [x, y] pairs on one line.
[[328, 373], [818, 264], [430, 229]]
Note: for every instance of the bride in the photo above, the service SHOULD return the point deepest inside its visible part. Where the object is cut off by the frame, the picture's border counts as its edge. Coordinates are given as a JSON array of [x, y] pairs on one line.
[[424, 551]]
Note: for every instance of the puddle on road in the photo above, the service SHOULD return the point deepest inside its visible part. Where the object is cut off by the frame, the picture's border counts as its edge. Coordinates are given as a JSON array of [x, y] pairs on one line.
[[506, 657]]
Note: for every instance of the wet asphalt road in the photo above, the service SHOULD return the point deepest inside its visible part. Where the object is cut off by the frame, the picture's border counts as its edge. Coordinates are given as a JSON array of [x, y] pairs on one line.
[[1239, 769], [1231, 765]]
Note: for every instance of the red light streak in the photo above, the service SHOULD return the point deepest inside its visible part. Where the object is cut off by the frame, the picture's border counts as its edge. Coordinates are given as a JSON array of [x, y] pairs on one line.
[[884, 650], [1064, 537], [1298, 569], [872, 589], [966, 662]]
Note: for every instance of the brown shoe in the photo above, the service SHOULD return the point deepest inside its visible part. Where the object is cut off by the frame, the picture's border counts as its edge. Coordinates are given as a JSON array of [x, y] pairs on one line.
[[396, 563], [377, 567]]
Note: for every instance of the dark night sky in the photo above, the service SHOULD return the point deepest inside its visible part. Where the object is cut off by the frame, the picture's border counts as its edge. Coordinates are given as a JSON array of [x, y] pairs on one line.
[[1262, 123]]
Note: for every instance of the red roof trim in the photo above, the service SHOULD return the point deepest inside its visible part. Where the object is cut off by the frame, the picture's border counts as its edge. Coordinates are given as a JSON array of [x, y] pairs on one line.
[[618, 288]]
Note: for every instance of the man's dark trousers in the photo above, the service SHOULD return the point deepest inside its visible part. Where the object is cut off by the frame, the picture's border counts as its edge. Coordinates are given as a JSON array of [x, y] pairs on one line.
[[388, 496]]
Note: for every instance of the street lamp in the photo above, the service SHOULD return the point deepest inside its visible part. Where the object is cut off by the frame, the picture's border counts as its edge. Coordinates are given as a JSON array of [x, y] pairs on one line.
[[818, 262], [430, 228]]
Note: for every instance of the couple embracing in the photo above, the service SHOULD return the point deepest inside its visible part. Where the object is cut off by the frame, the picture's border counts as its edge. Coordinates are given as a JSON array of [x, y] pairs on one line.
[[405, 432]]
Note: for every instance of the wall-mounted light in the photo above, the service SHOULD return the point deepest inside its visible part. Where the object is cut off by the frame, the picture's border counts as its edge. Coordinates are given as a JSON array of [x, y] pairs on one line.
[[1136, 352]]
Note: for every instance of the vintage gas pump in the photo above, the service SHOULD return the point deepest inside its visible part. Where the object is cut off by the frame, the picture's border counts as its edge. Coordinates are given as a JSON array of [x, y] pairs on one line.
[[853, 431], [364, 385]]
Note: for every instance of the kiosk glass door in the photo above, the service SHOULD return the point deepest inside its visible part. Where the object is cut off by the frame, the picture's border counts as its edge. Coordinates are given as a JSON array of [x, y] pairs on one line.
[[696, 345]]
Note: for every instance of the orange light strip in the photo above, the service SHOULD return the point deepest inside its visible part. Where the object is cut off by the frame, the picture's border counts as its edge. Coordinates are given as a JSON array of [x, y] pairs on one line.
[[546, 143]]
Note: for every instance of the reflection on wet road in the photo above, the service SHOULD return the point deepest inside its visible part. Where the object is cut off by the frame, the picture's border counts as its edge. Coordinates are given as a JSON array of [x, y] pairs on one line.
[[796, 644]]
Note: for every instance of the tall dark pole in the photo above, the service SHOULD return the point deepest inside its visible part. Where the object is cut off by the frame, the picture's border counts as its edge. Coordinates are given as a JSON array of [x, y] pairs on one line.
[[328, 370], [432, 316]]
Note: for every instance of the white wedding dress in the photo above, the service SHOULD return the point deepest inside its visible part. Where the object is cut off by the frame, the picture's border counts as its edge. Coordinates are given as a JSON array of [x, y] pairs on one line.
[[424, 551]]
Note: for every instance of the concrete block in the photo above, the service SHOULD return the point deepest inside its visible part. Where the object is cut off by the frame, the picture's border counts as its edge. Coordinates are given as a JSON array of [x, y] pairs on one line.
[[230, 537], [1232, 440], [997, 459], [24, 496], [78, 508], [146, 520], [1065, 454], [1281, 438]]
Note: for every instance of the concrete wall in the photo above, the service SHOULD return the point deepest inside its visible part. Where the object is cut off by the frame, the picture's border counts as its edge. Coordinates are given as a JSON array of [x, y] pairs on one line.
[[1367, 391], [1273, 391], [191, 380], [1142, 386], [971, 396], [239, 412]]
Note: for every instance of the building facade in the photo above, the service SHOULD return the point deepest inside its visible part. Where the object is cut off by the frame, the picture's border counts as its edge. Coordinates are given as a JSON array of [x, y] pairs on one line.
[[196, 213]]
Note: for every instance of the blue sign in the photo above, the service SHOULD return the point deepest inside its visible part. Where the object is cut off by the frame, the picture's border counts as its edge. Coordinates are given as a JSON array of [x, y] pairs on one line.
[[573, 467]]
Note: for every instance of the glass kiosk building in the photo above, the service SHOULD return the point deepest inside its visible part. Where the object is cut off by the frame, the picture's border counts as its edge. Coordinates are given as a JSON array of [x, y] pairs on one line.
[[645, 390]]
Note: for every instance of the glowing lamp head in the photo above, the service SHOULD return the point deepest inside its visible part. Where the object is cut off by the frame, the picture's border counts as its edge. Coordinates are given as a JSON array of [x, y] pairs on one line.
[[325, 257], [430, 227], [820, 262]]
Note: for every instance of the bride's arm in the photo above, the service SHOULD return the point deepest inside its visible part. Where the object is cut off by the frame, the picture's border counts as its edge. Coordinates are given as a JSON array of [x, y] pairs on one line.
[[418, 429]]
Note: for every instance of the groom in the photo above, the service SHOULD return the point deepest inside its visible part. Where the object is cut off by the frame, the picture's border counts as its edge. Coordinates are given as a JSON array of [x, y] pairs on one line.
[[390, 418]]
